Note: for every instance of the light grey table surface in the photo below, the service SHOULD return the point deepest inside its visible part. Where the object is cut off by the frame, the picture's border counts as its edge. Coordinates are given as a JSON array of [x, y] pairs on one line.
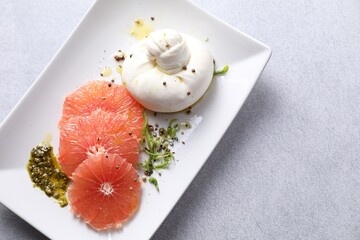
[[288, 167]]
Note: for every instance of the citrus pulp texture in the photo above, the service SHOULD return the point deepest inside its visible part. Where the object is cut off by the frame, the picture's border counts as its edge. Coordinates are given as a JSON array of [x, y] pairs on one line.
[[99, 117], [105, 191], [99, 94], [100, 132]]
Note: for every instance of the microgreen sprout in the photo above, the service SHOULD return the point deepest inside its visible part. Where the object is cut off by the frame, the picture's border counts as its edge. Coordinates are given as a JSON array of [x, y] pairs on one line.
[[157, 143], [155, 182], [221, 71]]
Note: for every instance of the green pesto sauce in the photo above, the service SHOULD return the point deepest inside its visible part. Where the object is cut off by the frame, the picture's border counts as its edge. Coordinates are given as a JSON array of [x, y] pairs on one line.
[[46, 174]]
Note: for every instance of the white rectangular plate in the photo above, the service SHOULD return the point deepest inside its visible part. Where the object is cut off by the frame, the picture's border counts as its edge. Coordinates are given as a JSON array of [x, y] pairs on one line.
[[104, 30]]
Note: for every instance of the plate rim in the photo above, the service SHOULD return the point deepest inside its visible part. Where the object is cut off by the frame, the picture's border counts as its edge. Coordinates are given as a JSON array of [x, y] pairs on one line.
[[267, 51]]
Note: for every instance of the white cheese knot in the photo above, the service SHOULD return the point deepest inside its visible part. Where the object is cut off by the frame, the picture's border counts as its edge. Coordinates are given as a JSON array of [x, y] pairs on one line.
[[168, 71], [169, 50]]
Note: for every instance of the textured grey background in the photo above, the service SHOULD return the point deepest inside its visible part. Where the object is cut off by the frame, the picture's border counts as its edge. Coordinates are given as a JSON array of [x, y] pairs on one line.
[[288, 167]]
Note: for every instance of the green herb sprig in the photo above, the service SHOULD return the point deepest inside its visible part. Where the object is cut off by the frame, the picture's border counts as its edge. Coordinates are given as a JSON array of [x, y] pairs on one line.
[[153, 180], [221, 71], [157, 145]]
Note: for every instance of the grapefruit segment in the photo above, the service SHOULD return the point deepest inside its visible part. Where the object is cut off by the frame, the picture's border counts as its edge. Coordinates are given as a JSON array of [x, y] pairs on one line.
[[105, 191], [110, 97], [99, 132]]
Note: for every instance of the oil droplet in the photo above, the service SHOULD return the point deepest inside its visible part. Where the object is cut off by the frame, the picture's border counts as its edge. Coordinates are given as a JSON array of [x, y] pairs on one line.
[[140, 29], [119, 69], [106, 72], [47, 139]]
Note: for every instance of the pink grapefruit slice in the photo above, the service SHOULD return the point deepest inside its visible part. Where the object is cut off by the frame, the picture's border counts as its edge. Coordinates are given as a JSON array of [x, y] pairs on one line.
[[105, 191], [100, 94], [99, 132]]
